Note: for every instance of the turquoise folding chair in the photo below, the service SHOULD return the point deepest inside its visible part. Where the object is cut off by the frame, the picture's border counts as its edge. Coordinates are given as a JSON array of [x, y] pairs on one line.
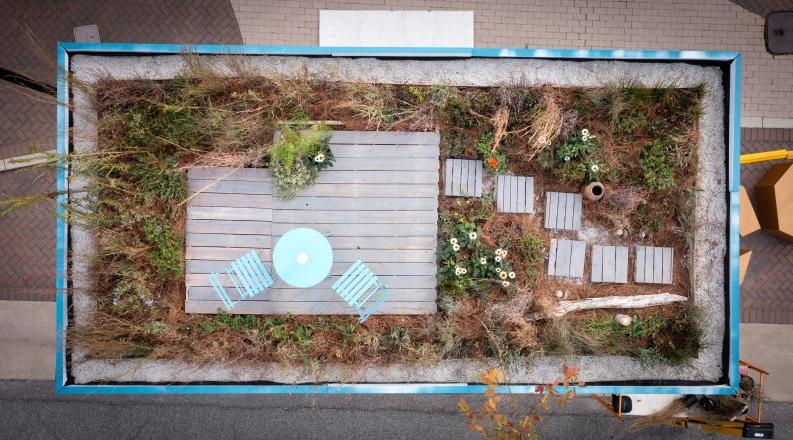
[[249, 276], [360, 288]]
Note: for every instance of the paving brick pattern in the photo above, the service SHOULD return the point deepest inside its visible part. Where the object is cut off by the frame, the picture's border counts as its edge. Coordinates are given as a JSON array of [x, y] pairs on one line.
[[29, 31], [28, 121], [27, 239], [636, 24], [767, 291]]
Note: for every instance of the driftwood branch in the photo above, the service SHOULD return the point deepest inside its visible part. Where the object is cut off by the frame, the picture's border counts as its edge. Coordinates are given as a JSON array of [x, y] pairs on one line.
[[609, 302]]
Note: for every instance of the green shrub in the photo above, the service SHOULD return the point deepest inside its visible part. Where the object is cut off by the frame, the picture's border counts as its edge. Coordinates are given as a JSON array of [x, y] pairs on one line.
[[495, 162], [577, 158], [165, 248], [457, 112], [297, 158], [532, 248], [159, 179], [575, 147], [303, 335], [465, 259], [656, 164]]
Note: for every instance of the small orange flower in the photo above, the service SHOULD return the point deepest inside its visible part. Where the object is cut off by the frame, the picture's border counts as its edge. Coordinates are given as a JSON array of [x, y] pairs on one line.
[[493, 162]]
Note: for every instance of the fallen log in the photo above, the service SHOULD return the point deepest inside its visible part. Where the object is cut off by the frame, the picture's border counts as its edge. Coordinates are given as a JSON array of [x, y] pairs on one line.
[[609, 302]]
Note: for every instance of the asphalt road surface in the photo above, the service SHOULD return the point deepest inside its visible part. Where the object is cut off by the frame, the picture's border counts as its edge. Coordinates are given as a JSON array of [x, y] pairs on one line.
[[31, 410]]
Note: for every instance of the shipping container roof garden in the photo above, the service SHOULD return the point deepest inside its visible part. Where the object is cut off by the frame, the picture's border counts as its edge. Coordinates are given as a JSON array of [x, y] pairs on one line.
[[303, 219]]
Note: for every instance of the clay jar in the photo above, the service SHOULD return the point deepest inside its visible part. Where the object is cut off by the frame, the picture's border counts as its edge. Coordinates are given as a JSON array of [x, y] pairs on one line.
[[593, 191]]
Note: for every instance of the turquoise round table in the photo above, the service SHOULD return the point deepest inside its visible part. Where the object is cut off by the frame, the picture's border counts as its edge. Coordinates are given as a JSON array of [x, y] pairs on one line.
[[302, 257]]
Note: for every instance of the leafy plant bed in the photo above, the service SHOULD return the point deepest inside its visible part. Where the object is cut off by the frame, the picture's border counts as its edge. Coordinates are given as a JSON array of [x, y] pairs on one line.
[[642, 141]]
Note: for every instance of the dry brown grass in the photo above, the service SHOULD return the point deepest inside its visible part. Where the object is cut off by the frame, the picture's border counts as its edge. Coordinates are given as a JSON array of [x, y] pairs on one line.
[[547, 122]]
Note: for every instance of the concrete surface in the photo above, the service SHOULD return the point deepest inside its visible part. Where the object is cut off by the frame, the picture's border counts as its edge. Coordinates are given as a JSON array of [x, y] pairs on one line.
[[27, 340], [30, 410], [770, 347]]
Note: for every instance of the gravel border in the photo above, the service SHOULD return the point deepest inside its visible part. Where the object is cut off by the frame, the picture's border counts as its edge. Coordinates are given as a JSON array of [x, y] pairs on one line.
[[706, 255]]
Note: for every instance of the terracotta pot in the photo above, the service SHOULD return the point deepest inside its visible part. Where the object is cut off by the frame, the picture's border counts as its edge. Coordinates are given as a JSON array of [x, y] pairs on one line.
[[593, 191]]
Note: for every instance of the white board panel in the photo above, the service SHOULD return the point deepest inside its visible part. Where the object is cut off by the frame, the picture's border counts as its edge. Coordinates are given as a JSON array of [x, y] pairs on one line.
[[396, 28]]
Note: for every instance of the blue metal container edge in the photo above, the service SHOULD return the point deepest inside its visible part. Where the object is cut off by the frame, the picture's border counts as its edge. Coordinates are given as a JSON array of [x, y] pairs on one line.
[[65, 49]]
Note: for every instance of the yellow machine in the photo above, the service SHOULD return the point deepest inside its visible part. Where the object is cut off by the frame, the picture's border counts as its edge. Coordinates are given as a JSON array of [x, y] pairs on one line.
[[701, 413]]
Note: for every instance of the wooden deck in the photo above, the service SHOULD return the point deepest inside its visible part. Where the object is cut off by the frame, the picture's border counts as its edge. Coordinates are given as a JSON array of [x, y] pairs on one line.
[[515, 194], [379, 202], [566, 258], [654, 265], [609, 264], [463, 178], [562, 211]]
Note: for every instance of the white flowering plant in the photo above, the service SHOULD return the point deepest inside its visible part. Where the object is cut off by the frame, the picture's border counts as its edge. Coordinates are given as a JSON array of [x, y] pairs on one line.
[[575, 147], [297, 158], [465, 258], [577, 158], [594, 169]]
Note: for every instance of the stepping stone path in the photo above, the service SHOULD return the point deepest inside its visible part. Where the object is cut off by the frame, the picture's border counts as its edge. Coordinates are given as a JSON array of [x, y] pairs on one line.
[[566, 258], [563, 211], [653, 265], [463, 178], [515, 194], [609, 264]]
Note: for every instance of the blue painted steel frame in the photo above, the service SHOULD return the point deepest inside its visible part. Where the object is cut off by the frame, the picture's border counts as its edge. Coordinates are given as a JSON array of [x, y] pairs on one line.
[[64, 50]]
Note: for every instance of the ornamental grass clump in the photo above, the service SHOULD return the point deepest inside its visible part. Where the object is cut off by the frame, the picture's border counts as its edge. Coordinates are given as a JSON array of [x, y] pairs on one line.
[[297, 158]]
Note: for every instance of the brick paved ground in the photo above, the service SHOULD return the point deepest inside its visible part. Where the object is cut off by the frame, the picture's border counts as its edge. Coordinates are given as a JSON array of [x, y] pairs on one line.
[[28, 120], [28, 33], [641, 24], [27, 239], [767, 291]]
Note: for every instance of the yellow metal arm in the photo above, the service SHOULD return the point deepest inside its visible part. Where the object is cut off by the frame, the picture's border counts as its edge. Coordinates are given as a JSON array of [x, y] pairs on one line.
[[766, 155]]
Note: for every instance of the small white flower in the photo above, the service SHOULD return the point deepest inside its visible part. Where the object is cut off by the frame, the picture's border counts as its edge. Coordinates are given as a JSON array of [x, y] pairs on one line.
[[458, 270], [585, 132], [464, 271], [319, 158], [456, 247], [503, 275], [499, 251], [498, 258], [472, 235], [512, 275], [504, 254], [453, 240], [595, 168], [586, 138], [498, 270], [567, 158], [483, 260], [505, 283]]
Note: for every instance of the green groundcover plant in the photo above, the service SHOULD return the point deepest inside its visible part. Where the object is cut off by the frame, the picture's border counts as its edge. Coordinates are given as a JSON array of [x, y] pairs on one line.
[[297, 158]]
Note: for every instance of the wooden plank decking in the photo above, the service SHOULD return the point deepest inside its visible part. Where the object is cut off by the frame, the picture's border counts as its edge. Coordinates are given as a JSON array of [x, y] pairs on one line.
[[609, 264], [463, 178], [562, 211], [654, 265], [378, 203], [566, 258], [515, 194]]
